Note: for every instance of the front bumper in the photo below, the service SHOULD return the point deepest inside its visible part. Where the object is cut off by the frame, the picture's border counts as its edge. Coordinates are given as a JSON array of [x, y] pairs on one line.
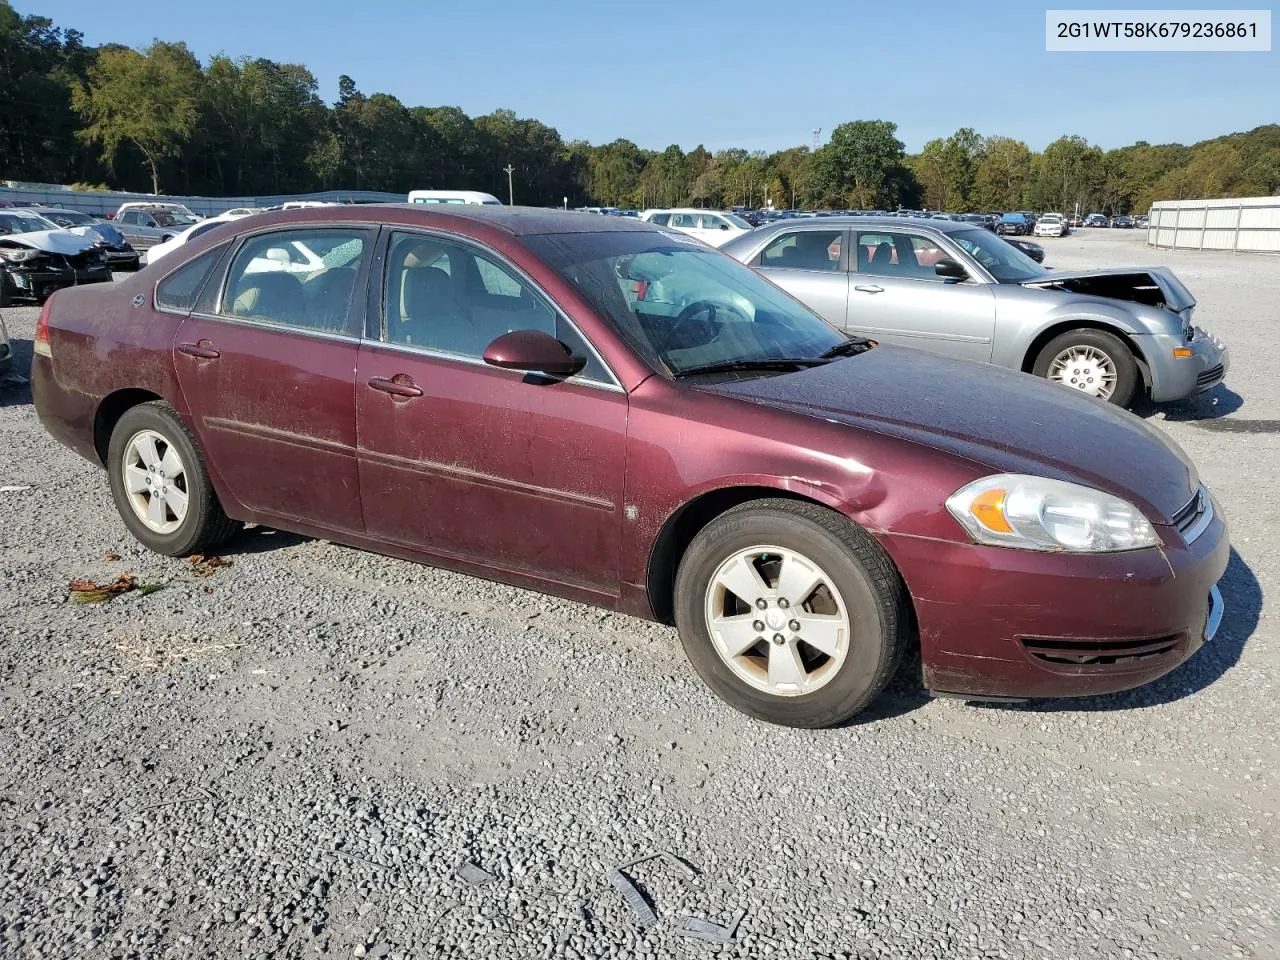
[[123, 259], [1003, 623], [35, 284], [1173, 377]]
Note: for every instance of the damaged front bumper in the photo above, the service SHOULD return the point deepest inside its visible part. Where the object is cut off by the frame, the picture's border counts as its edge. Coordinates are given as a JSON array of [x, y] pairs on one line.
[[1182, 368], [35, 279]]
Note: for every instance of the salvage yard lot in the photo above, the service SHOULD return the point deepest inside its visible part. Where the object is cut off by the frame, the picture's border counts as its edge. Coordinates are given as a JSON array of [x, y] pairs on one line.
[[291, 755]]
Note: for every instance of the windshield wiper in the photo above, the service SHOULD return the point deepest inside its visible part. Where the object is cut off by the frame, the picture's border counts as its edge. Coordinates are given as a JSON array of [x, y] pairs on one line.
[[762, 363], [849, 348]]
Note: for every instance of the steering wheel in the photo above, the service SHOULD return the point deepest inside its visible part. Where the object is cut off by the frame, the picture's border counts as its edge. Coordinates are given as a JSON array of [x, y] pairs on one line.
[[691, 310]]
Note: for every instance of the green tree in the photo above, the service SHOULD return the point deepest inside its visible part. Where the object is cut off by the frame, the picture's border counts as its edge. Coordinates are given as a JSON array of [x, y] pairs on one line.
[[862, 165], [149, 100], [1001, 174]]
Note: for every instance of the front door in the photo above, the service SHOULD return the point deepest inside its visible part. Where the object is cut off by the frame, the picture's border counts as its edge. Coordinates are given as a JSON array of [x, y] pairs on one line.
[[268, 375], [895, 296], [516, 472], [809, 265]]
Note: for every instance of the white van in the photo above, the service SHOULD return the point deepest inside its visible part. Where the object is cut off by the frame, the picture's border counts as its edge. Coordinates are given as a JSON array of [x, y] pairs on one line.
[[452, 196]]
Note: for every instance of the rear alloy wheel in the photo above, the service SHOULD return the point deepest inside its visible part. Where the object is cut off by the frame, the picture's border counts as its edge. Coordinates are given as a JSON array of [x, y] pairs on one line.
[[790, 613], [1091, 361], [160, 485]]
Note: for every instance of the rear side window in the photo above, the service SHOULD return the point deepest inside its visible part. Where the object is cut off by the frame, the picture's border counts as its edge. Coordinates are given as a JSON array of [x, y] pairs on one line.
[[804, 250], [296, 278], [179, 290]]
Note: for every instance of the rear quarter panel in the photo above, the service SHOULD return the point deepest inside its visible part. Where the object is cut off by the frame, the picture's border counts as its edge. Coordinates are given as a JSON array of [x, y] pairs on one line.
[[101, 343]]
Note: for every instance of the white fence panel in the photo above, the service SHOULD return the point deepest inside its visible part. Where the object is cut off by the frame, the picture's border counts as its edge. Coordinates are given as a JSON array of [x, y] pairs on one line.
[[1243, 224]]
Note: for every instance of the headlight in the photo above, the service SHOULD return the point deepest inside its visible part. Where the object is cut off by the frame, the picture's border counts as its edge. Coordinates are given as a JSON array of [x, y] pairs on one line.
[[18, 256], [1035, 513]]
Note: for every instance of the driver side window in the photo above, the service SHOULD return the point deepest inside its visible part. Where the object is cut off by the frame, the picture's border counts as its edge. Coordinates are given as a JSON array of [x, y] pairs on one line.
[[453, 299]]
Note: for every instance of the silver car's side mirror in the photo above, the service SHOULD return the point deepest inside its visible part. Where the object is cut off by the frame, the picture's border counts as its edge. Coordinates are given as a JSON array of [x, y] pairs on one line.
[[948, 269]]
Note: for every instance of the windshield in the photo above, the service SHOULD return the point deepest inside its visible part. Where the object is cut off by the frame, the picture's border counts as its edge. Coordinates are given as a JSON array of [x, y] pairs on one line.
[[736, 221], [682, 305], [1002, 259], [71, 218], [172, 218], [13, 222]]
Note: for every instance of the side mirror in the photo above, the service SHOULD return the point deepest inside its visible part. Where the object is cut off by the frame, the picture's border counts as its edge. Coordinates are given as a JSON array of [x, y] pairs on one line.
[[534, 352], [724, 226], [948, 269]]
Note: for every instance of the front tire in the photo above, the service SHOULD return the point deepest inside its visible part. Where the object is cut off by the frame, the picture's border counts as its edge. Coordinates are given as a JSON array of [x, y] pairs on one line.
[[790, 613], [1092, 361], [160, 485]]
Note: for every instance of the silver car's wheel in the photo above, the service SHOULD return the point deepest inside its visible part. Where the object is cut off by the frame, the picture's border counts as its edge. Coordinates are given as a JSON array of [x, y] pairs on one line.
[[155, 479], [777, 621], [1085, 368]]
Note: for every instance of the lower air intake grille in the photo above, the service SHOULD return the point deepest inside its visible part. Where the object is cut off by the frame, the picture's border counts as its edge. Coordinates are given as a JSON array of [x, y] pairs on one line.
[[1097, 653]]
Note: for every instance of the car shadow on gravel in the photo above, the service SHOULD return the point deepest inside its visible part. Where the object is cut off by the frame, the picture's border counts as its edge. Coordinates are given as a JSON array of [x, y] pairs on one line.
[[15, 393], [1201, 409], [1242, 597], [260, 540]]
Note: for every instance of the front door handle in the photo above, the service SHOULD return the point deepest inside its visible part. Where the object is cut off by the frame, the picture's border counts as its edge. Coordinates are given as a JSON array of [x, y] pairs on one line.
[[204, 350], [398, 386], [869, 288]]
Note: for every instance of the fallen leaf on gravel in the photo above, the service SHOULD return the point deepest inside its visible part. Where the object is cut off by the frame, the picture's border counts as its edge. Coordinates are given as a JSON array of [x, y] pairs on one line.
[[86, 591], [203, 566], [110, 556]]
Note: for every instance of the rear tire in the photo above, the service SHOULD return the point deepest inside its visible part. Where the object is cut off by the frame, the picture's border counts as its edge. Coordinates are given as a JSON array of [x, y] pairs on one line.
[[838, 643], [160, 484], [1100, 354]]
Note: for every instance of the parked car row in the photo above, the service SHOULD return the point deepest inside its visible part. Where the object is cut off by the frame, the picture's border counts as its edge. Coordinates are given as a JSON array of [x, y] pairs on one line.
[[801, 496]]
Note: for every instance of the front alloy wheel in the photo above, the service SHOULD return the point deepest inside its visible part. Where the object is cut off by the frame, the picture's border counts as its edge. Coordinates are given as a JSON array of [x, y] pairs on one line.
[[790, 612], [777, 621]]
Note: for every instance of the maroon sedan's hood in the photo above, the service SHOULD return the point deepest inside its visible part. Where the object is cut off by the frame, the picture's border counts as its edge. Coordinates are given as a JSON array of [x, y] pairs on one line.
[[1007, 421]]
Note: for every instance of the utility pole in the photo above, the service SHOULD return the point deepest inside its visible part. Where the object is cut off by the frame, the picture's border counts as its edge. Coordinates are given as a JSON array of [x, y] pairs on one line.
[[511, 194]]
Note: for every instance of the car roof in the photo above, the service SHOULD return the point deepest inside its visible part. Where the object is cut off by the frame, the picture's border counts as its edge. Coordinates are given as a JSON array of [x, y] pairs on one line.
[[517, 221], [827, 223]]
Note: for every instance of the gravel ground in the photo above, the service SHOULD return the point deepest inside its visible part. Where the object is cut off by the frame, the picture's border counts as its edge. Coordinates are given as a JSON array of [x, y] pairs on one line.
[[291, 756]]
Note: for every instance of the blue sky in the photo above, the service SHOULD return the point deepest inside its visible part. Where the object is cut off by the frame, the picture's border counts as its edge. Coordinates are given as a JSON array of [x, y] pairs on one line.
[[760, 75]]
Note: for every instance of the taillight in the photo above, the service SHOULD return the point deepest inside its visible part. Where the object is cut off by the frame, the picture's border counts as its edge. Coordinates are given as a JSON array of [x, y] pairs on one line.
[[41, 346]]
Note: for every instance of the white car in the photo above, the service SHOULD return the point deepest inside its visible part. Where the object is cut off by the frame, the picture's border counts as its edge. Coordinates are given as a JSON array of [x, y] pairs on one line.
[[190, 233], [1051, 225], [709, 226]]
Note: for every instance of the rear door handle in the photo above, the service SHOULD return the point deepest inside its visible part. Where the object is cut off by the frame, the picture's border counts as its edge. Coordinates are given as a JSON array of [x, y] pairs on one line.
[[396, 388], [869, 288], [203, 350]]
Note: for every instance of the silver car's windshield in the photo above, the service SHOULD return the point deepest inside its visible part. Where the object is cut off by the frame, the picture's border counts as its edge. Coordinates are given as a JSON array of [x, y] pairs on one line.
[[14, 222], [1001, 259], [682, 305]]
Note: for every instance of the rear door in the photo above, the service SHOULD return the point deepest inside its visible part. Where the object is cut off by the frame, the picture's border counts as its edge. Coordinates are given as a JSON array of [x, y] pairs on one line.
[[895, 296], [512, 471], [810, 265], [267, 366]]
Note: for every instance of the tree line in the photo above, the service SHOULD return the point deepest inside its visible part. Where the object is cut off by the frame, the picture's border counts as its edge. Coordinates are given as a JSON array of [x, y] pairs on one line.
[[158, 120]]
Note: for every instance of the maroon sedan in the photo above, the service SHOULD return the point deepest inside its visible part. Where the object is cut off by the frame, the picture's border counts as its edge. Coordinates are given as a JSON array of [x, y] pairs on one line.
[[604, 410]]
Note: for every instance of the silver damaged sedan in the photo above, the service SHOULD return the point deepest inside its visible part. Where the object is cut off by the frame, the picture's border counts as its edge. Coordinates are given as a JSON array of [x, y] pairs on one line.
[[959, 290]]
